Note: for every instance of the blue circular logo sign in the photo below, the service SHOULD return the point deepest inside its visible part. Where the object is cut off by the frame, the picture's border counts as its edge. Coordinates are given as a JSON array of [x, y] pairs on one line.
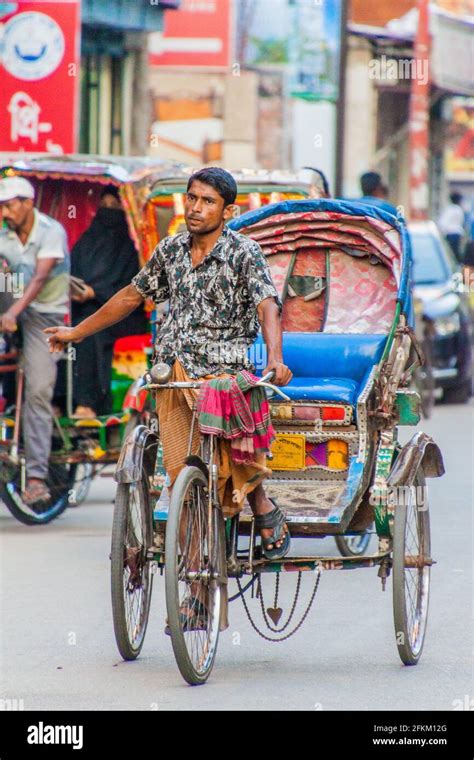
[[32, 46]]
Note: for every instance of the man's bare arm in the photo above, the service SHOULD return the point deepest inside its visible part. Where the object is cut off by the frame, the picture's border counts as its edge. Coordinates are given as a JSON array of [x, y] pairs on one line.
[[269, 318], [117, 308], [40, 275]]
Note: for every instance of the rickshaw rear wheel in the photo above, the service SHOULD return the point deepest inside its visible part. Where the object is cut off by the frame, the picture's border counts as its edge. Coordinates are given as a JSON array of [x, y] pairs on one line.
[[425, 382], [411, 576], [131, 575], [194, 594], [83, 477], [354, 546], [60, 482]]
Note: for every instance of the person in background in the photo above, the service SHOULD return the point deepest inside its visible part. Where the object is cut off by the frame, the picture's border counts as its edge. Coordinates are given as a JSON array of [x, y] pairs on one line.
[[469, 254], [35, 247], [103, 261], [374, 192], [451, 223]]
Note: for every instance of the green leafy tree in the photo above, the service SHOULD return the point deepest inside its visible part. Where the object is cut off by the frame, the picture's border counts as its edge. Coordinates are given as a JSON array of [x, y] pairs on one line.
[[270, 51]]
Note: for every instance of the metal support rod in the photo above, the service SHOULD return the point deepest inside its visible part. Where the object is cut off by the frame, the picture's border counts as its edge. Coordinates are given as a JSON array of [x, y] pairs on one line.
[[57, 424], [341, 102], [69, 383], [19, 402], [251, 545], [191, 433]]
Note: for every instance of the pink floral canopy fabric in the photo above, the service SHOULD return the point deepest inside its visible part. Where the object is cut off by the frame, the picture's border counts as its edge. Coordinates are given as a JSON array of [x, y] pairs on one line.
[[335, 273]]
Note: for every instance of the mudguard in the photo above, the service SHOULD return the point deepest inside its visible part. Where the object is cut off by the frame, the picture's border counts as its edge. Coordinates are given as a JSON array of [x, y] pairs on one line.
[[420, 450], [195, 461], [138, 451]]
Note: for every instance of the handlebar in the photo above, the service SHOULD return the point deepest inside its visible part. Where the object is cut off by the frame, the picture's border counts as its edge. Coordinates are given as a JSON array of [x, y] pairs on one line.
[[265, 384], [149, 383]]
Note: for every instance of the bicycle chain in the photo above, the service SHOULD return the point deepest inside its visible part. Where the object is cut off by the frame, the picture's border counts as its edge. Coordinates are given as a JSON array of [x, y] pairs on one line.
[[295, 629]]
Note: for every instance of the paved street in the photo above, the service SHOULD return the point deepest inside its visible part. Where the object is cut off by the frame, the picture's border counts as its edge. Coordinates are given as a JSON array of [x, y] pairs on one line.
[[58, 649]]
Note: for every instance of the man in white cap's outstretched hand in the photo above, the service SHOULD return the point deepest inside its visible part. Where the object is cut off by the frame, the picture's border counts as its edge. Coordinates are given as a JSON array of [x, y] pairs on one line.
[[35, 247]]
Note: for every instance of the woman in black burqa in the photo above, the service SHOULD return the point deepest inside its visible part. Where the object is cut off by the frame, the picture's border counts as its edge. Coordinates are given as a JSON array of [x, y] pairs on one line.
[[106, 259]]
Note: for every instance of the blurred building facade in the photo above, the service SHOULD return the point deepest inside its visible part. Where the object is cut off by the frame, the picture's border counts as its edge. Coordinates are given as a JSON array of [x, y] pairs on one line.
[[274, 84], [247, 83], [379, 74], [114, 91], [206, 104]]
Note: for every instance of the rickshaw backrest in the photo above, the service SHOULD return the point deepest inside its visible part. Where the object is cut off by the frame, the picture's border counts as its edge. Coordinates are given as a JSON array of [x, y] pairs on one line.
[[322, 355]]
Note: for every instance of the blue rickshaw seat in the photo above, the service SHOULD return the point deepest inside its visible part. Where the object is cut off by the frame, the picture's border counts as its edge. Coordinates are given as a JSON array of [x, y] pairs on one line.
[[326, 366], [322, 389]]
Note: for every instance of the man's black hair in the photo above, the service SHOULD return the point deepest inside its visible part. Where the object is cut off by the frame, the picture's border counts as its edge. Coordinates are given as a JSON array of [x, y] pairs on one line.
[[469, 254], [323, 177], [370, 182], [219, 179], [111, 190], [455, 197]]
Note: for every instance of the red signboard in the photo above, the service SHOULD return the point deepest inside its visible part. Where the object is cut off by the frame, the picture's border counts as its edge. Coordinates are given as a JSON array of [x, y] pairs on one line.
[[198, 34], [39, 73]]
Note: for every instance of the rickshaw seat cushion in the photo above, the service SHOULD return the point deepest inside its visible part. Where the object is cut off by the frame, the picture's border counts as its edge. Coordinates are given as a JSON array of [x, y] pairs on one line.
[[326, 366], [322, 389]]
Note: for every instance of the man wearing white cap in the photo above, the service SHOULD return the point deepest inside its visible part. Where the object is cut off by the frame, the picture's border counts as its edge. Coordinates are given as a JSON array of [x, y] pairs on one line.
[[35, 247]]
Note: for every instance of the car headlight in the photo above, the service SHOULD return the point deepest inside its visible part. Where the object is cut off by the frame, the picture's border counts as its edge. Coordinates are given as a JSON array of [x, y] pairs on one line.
[[448, 325]]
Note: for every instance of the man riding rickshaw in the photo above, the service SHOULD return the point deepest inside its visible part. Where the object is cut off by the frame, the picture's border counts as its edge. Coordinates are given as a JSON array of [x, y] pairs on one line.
[[342, 272], [35, 247]]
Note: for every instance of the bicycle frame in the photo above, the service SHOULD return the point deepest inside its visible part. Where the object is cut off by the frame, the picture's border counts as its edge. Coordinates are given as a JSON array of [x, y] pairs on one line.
[[205, 460]]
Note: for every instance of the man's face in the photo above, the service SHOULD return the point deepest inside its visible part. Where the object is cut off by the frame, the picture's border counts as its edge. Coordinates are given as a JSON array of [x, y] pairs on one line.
[[109, 201], [204, 209], [16, 211]]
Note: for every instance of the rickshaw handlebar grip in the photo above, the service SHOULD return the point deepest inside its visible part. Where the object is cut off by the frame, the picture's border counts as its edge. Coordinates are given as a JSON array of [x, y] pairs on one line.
[[263, 383]]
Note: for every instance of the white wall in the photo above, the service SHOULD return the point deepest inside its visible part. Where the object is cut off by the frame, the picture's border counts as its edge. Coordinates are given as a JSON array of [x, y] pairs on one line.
[[314, 137]]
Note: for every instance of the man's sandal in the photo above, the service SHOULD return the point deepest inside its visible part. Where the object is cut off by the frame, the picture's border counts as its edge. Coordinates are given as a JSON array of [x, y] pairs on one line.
[[36, 492], [275, 519], [193, 616]]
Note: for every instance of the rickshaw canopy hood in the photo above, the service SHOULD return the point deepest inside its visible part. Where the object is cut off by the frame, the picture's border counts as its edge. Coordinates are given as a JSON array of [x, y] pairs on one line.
[[290, 225]]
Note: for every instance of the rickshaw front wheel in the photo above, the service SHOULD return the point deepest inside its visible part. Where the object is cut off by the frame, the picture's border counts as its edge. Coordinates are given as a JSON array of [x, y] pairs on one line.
[[84, 475], [411, 569], [131, 575], [60, 482], [193, 575]]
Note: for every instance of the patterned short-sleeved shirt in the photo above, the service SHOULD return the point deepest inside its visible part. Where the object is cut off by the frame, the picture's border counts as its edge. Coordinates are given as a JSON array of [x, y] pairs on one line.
[[212, 318]]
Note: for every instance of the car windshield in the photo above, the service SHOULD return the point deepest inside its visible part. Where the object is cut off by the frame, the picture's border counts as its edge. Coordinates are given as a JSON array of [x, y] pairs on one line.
[[430, 266]]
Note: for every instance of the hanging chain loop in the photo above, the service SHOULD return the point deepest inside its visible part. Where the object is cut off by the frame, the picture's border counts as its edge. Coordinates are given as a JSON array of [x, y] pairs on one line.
[[280, 630]]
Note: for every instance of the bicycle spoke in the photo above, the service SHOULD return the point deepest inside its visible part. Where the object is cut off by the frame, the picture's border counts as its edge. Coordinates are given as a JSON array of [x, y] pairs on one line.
[[132, 601], [197, 605]]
